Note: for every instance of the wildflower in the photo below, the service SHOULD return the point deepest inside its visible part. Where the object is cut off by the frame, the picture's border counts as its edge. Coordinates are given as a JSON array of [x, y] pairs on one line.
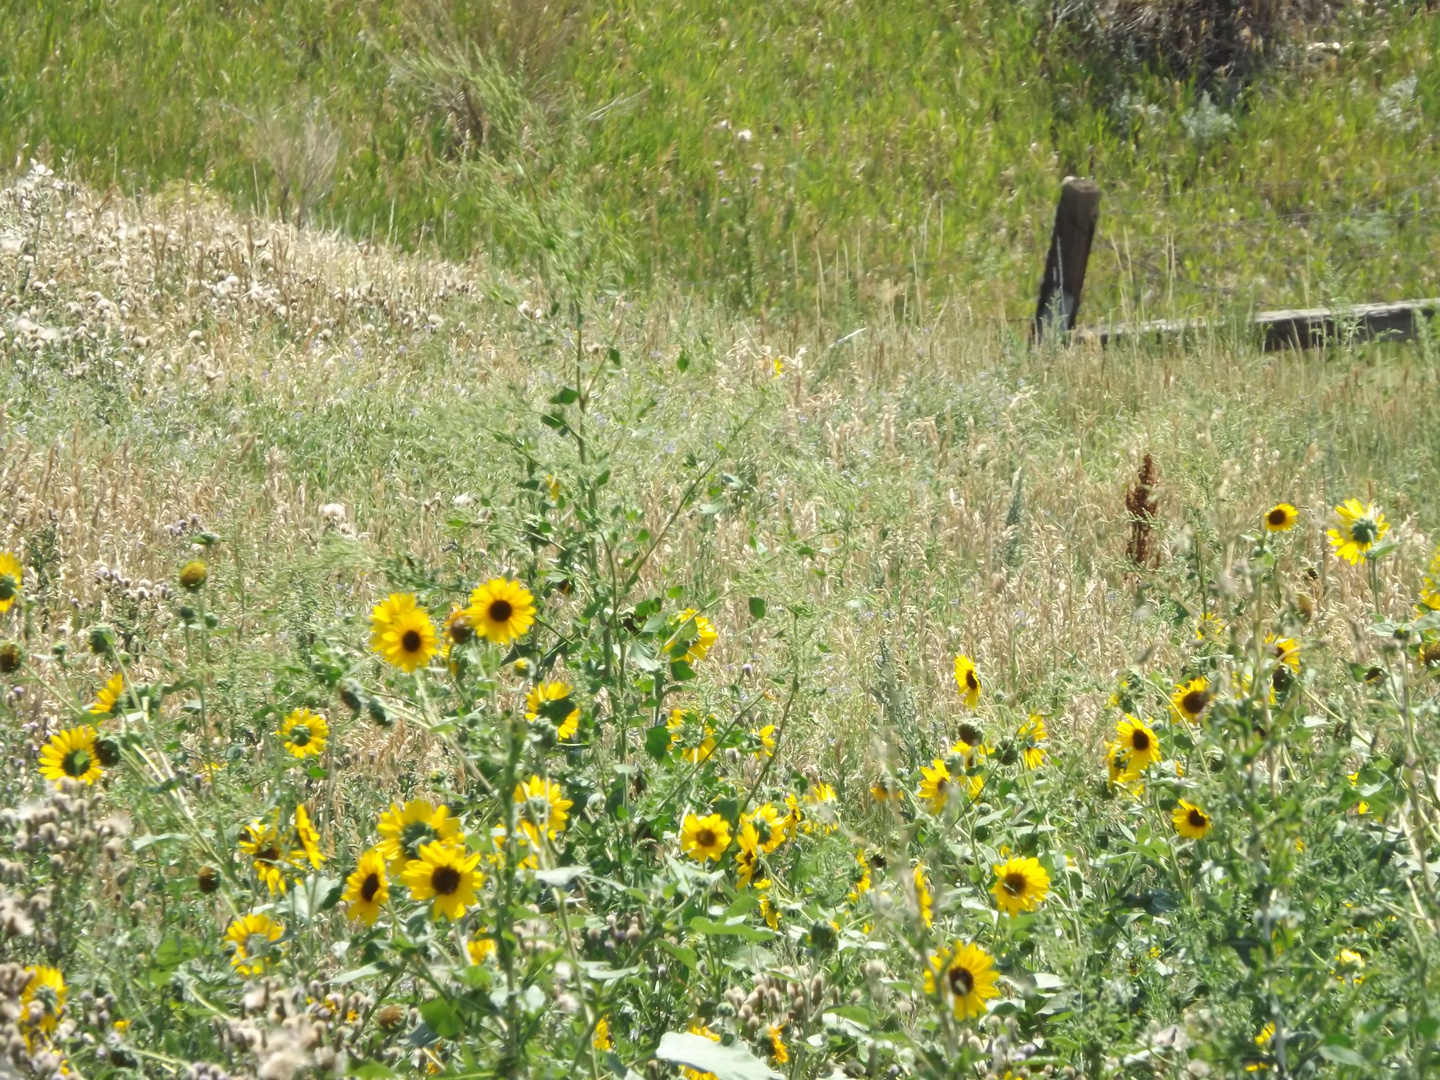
[[747, 852], [1266, 1034], [968, 679], [601, 1040], [964, 976], [307, 835], [47, 986], [193, 575], [108, 695], [1190, 821], [697, 1028], [705, 635], [459, 625], [71, 755], [366, 889], [1020, 885], [1118, 760], [1281, 517], [795, 820], [1140, 743], [405, 830], [821, 798], [1362, 807], [12, 577], [552, 700], [1210, 628], [766, 736], [254, 938], [445, 874], [208, 880], [304, 733], [1349, 966], [924, 901], [770, 827], [502, 610], [884, 789], [679, 720], [10, 658], [863, 882], [704, 838], [1359, 527], [1033, 738], [1190, 699], [1285, 650], [543, 808], [1430, 591], [401, 632], [935, 787], [261, 841], [480, 948], [768, 911], [778, 1050]]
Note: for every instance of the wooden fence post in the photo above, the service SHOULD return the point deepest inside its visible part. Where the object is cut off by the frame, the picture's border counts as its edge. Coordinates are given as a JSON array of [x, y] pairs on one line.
[[1075, 220]]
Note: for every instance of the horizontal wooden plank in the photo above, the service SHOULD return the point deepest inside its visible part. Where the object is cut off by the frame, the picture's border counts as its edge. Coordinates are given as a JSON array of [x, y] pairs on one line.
[[1289, 329]]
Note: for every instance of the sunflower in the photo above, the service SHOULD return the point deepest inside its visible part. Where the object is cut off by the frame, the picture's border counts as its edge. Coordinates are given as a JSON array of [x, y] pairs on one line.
[[308, 836], [552, 701], [1359, 527], [11, 578], [1286, 651], [1281, 517], [404, 830], [1033, 737], [778, 1050], [766, 738], [47, 986], [935, 787], [304, 733], [1349, 967], [772, 829], [1190, 821], [480, 948], [1020, 885], [963, 975], [1210, 628], [254, 938], [968, 679], [1430, 589], [924, 900], [71, 755], [401, 632], [601, 1040], [821, 798], [704, 838], [863, 880], [1190, 699], [367, 890], [502, 610], [107, 696], [705, 635], [261, 841], [459, 625], [1140, 744], [1117, 758], [543, 808], [884, 789], [446, 874], [747, 852]]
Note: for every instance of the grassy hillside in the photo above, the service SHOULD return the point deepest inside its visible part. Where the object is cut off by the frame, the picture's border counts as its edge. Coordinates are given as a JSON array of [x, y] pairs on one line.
[[814, 157]]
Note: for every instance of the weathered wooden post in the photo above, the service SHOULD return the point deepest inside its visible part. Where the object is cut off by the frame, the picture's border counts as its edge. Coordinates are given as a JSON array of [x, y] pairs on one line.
[[1075, 220]]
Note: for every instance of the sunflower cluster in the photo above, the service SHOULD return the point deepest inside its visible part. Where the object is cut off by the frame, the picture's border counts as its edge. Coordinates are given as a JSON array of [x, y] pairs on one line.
[[278, 851]]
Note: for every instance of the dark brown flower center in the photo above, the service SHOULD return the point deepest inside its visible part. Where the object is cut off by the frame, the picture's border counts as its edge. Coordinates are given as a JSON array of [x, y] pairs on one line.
[[1278, 516], [705, 838], [1197, 819], [501, 610], [410, 641], [445, 880], [1194, 702], [962, 981], [971, 681], [1014, 883], [370, 887], [1140, 740]]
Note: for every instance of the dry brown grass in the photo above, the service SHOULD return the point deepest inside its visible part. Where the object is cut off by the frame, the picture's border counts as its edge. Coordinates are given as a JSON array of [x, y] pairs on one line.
[[167, 359]]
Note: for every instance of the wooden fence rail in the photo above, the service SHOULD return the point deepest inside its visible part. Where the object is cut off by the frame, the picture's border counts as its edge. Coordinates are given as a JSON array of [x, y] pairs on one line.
[[1076, 217]]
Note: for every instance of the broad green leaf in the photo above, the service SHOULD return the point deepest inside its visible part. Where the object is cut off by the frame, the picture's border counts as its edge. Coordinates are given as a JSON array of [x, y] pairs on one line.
[[734, 1062], [442, 1018]]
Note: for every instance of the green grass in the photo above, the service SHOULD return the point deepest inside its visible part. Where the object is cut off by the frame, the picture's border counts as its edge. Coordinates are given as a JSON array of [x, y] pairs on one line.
[[902, 155]]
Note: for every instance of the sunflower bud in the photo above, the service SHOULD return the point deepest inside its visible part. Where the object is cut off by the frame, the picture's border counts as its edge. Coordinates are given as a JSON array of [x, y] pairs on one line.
[[8, 587], [107, 752], [378, 712], [193, 575], [10, 658], [102, 640], [208, 879], [351, 695]]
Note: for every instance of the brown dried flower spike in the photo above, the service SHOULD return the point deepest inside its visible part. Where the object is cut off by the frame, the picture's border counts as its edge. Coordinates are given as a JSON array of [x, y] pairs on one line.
[[1141, 505]]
